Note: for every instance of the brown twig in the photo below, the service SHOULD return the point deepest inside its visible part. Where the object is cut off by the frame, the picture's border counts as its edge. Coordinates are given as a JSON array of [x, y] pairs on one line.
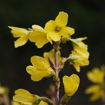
[[56, 48], [51, 63]]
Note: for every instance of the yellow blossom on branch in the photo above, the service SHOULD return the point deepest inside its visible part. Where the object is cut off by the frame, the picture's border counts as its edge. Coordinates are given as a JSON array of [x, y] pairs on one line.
[[40, 68], [56, 32], [56, 29], [39, 36], [80, 54], [71, 84], [24, 97], [96, 76], [97, 92], [20, 33]]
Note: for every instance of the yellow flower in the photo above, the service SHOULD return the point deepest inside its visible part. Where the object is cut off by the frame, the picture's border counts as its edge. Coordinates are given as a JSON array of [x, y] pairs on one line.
[[40, 69], [3, 90], [96, 75], [97, 92], [71, 84], [80, 54], [39, 36], [20, 33], [23, 97], [43, 103], [56, 29], [16, 103], [52, 56]]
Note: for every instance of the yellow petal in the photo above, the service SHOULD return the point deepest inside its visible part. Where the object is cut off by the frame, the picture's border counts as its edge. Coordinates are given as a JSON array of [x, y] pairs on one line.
[[30, 69], [16, 103], [80, 54], [3, 90], [37, 75], [77, 67], [40, 38], [96, 75], [39, 62], [43, 103], [22, 91], [21, 41], [62, 19], [24, 97], [67, 31], [18, 32], [50, 26], [38, 28], [92, 89], [54, 36], [97, 95], [40, 68], [71, 84]]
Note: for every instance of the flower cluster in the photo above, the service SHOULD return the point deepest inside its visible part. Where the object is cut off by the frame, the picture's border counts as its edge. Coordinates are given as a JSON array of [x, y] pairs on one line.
[[56, 32], [98, 89]]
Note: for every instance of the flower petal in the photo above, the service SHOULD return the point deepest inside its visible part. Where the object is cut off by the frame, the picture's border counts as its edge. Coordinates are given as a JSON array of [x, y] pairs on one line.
[[71, 84], [43, 103], [54, 36], [21, 41], [62, 19], [40, 68], [67, 31], [39, 62], [50, 26], [96, 75], [18, 32], [39, 37], [97, 95], [38, 28], [24, 97], [92, 89], [36, 75]]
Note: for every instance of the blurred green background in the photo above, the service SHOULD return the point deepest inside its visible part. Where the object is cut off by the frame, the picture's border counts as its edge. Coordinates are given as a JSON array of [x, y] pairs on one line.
[[86, 16]]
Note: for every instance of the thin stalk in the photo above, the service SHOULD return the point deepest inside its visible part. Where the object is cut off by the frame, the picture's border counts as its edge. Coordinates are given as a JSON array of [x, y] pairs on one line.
[[56, 46]]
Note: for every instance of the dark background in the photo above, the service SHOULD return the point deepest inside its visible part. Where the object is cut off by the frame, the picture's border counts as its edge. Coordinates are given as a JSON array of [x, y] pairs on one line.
[[86, 16]]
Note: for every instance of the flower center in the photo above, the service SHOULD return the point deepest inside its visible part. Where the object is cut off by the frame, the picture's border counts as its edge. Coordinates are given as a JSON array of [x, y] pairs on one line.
[[57, 29]]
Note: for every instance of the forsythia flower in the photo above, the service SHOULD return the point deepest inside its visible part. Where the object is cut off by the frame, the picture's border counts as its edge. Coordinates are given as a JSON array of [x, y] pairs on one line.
[[56, 29], [96, 76], [22, 35], [71, 84], [3, 90], [80, 54], [40, 69], [18, 103], [51, 54], [43, 103], [39, 36], [23, 97]]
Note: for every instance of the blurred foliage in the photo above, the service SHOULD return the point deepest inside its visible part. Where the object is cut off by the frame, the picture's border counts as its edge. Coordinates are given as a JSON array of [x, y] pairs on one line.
[[86, 16]]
